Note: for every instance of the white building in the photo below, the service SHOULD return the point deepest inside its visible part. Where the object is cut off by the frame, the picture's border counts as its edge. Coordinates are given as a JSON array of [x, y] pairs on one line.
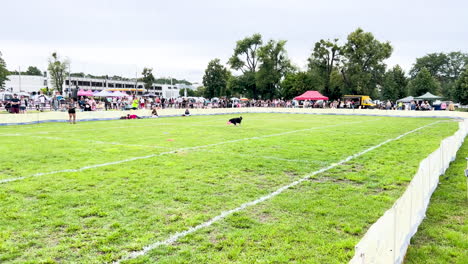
[[28, 83], [25, 83]]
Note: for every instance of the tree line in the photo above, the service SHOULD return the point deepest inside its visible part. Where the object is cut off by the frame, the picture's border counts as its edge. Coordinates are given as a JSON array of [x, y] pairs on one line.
[[263, 70], [335, 68]]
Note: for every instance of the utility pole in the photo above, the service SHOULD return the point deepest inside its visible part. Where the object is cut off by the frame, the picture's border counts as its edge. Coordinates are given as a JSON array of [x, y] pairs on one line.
[[69, 80], [172, 88], [136, 80], [19, 72]]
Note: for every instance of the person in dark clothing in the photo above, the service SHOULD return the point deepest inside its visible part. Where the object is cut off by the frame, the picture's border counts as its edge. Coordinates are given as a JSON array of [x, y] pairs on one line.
[[154, 112], [72, 111], [15, 104]]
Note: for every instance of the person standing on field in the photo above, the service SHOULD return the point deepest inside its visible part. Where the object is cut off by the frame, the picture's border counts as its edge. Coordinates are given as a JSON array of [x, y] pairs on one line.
[[135, 103], [23, 105], [72, 111], [15, 104]]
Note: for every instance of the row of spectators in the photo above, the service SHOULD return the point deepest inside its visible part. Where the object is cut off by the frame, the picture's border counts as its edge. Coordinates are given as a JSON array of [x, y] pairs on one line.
[[41, 102]]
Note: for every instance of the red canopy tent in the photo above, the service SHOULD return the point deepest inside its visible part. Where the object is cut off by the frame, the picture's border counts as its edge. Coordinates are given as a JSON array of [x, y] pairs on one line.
[[311, 95]]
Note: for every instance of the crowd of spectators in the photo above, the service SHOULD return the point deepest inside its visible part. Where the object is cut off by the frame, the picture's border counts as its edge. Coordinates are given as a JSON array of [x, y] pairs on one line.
[[41, 102]]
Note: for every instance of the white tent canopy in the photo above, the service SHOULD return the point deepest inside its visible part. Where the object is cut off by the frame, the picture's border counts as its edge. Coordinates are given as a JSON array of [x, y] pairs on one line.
[[104, 93], [119, 94], [428, 96], [407, 99]]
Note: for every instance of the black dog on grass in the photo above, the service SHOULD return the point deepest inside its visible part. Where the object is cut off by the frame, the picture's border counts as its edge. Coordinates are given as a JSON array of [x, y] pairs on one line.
[[235, 121]]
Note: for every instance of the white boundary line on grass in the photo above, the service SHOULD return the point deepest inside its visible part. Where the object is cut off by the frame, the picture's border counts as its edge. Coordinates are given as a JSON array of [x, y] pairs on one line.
[[168, 152], [100, 142], [129, 126], [173, 238], [270, 157]]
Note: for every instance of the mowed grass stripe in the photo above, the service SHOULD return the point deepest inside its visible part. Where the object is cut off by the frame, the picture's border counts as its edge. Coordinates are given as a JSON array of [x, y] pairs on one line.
[[319, 221], [181, 135], [175, 237], [144, 123], [98, 142], [32, 155], [95, 215], [163, 153]]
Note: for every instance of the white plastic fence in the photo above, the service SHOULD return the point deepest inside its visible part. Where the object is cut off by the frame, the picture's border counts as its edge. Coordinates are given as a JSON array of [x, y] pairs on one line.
[[387, 240]]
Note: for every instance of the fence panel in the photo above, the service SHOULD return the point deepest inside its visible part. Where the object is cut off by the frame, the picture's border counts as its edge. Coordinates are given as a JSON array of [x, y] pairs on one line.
[[387, 240]]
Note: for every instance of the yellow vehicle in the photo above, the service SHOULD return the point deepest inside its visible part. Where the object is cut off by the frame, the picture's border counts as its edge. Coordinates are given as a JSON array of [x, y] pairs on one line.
[[360, 101]]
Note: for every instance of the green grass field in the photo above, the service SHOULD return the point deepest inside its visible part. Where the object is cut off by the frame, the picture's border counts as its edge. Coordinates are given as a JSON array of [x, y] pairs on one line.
[[186, 170]]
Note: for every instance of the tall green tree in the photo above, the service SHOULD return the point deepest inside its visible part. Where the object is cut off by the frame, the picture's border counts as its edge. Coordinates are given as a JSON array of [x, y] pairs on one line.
[[3, 72], [363, 62], [296, 83], [32, 70], [337, 85], [445, 67], [57, 69], [457, 62], [215, 79], [242, 85], [324, 60], [148, 77], [274, 64], [434, 63], [423, 82], [170, 80], [245, 59], [190, 92], [394, 84], [461, 88], [200, 91]]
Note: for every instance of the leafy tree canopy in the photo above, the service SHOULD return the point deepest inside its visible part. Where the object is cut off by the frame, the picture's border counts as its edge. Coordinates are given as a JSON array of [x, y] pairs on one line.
[[324, 59], [394, 85], [3, 72], [57, 69], [168, 81], [32, 70], [148, 77], [245, 54], [275, 64], [423, 82], [215, 79], [363, 62], [461, 88]]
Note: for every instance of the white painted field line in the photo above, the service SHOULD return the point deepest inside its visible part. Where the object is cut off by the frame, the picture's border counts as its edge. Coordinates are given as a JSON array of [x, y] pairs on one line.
[[270, 157], [167, 152], [100, 142], [128, 126], [222, 215]]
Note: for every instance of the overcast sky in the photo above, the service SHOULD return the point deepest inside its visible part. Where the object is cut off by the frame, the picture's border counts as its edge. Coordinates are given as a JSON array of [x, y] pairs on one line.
[[178, 38]]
